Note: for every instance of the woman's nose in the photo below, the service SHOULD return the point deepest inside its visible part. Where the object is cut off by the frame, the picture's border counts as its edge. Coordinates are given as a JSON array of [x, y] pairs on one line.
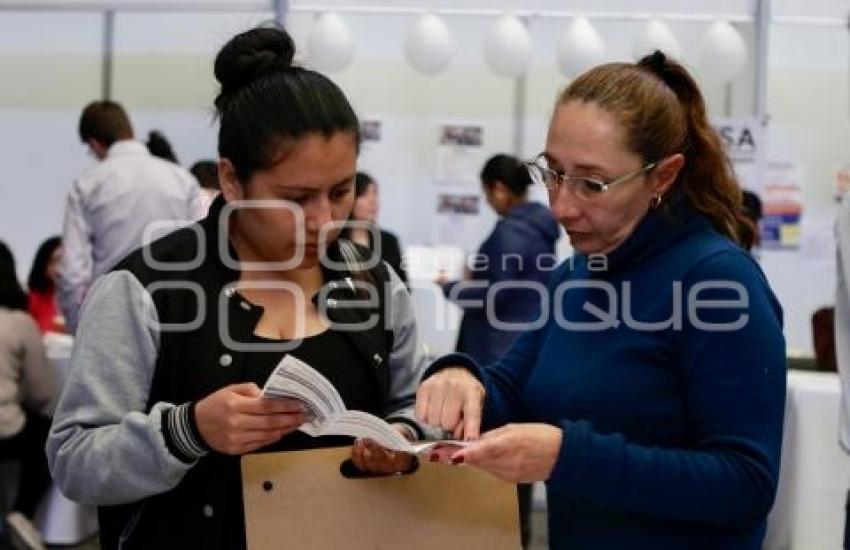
[[564, 204], [318, 214]]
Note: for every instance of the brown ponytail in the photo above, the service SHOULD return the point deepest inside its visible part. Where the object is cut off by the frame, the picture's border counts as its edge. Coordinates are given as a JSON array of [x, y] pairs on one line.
[[663, 112]]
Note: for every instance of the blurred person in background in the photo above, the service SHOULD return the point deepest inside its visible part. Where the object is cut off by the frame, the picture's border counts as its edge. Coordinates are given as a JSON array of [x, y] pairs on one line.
[[366, 207], [27, 395], [521, 247], [41, 284], [112, 204]]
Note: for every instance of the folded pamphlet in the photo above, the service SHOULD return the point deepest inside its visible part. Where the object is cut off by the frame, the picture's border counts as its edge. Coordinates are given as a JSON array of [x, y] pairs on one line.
[[326, 412]]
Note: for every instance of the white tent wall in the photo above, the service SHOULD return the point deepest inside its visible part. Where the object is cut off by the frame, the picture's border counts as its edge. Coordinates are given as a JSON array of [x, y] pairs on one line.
[[809, 108], [50, 67], [50, 64], [609, 6]]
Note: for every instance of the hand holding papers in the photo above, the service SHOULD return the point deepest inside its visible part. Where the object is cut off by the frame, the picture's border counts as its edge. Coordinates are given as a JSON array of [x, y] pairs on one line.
[[294, 379]]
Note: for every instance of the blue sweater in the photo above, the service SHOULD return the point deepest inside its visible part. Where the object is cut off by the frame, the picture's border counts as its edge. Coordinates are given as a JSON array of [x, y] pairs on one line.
[[520, 248], [672, 436]]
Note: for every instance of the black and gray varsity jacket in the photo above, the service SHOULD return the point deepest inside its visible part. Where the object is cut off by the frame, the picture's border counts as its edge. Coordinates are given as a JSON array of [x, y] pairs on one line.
[[163, 330]]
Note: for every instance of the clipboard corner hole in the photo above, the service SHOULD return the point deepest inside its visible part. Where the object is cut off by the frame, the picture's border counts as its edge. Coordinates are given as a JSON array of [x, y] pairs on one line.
[[349, 471]]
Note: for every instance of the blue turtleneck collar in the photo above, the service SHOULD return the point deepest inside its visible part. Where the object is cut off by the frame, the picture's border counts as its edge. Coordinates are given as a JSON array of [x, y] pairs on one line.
[[657, 231]]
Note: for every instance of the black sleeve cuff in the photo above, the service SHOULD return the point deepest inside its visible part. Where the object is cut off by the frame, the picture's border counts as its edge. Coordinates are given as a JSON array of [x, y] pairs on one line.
[[456, 360], [181, 434]]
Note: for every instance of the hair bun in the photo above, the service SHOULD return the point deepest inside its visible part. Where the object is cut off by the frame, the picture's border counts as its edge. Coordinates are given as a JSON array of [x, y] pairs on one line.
[[250, 55], [656, 62]]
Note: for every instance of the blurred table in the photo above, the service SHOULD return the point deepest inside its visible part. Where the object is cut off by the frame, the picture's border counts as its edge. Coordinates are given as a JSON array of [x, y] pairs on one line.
[[62, 521], [815, 477]]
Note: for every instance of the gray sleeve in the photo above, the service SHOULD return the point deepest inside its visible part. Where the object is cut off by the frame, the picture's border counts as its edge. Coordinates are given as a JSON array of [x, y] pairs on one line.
[[38, 380], [103, 448], [75, 268], [408, 358]]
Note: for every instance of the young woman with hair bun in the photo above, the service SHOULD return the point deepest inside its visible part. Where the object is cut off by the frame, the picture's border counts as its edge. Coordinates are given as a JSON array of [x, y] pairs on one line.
[[174, 344]]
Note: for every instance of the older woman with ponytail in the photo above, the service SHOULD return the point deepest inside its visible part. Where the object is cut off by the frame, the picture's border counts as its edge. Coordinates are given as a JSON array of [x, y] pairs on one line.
[[649, 391]]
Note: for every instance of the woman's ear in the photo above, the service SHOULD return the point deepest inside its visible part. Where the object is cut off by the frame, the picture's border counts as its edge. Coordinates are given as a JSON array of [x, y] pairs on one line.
[[231, 187], [666, 172]]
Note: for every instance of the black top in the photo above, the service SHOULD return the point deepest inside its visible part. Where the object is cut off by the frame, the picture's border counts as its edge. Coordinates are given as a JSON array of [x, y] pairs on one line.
[[390, 249], [390, 252]]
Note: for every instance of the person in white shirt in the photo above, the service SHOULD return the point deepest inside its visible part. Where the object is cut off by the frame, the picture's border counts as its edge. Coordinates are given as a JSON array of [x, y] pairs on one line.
[[112, 205]]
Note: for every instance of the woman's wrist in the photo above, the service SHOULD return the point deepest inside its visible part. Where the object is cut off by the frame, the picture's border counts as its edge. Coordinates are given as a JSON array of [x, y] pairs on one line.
[[453, 360], [180, 431]]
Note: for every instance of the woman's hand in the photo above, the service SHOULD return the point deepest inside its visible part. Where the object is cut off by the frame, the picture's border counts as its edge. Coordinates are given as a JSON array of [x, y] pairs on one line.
[[518, 453], [236, 420], [371, 458], [452, 399]]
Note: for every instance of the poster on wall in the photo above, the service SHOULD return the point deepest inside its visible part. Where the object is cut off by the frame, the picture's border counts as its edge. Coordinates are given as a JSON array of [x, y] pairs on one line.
[[744, 141], [370, 131], [457, 218], [459, 154], [842, 180], [782, 202], [372, 153], [817, 244]]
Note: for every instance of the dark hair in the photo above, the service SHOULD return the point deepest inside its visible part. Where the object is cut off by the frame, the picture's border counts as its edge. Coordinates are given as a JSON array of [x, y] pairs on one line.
[[266, 103], [662, 110], [753, 211], [752, 206], [206, 172], [362, 181], [38, 279], [159, 146], [106, 122], [12, 296], [508, 170]]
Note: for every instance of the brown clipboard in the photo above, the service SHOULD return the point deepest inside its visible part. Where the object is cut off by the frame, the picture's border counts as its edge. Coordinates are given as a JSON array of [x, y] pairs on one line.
[[301, 500]]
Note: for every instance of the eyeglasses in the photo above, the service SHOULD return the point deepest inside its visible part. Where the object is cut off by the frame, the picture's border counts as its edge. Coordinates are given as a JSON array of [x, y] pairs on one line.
[[584, 187]]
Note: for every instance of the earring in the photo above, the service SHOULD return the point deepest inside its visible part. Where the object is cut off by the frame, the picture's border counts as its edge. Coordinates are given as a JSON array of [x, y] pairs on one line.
[[654, 202]]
